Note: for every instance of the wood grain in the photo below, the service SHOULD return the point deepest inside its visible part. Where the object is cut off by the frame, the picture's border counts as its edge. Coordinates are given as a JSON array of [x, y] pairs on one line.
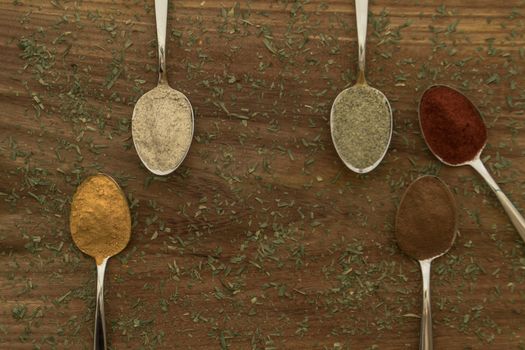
[[263, 239]]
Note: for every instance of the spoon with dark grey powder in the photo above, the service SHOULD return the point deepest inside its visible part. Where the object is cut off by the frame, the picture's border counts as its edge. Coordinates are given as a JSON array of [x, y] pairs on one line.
[[361, 117], [426, 225], [162, 123]]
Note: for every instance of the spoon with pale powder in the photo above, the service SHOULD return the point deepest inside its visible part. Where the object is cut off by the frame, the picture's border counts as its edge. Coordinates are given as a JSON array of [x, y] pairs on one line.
[[162, 123]]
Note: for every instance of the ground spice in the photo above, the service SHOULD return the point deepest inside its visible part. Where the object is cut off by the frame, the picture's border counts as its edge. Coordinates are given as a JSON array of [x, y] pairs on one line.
[[426, 219], [451, 125], [162, 128], [100, 221], [361, 124]]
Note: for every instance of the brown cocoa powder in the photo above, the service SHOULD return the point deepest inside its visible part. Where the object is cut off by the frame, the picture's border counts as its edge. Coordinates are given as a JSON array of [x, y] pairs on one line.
[[426, 220]]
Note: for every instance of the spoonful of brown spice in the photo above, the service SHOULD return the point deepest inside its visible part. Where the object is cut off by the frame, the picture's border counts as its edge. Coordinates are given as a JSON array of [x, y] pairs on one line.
[[425, 229]]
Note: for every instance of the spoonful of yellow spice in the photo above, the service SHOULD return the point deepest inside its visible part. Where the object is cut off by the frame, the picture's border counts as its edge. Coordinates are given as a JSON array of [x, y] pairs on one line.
[[100, 224]]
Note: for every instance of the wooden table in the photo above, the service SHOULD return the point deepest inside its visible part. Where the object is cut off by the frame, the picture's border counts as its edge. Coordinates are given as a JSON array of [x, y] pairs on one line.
[[262, 239]]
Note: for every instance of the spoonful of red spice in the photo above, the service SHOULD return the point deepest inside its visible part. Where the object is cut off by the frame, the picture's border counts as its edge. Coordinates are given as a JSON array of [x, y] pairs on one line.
[[456, 134]]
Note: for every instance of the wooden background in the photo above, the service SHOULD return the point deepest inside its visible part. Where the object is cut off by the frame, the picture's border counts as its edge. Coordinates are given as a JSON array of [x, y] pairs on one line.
[[262, 239]]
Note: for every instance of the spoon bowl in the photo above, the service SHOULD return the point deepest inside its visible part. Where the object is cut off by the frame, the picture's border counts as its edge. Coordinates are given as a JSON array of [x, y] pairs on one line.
[[413, 223], [149, 138], [334, 128], [435, 151]]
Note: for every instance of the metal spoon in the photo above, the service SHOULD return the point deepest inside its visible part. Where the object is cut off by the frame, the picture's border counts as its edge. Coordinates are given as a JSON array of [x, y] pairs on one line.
[[163, 88], [361, 7], [515, 217], [425, 340], [81, 230]]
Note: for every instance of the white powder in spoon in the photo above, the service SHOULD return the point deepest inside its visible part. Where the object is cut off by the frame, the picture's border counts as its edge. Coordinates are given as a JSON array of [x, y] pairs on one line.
[[162, 128]]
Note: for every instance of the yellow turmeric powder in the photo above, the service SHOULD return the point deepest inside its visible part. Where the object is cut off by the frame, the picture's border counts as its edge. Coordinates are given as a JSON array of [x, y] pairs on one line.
[[100, 221]]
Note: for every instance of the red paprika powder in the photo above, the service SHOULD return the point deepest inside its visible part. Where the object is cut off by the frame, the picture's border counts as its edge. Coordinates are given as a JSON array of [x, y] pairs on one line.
[[451, 124]]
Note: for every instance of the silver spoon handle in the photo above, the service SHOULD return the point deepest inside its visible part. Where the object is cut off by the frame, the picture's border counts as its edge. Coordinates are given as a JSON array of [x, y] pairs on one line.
[[161, 15], [100, 321], [361, 15], [515, 217], [425, 338]]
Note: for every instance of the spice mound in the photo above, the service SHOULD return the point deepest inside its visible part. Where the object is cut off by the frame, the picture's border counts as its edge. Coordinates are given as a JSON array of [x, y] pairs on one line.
[[361, 126], [100, 221], [162, 128], [451, 124], [426, 219]]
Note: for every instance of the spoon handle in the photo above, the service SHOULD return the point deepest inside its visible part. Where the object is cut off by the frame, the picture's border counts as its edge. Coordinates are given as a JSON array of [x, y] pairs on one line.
[[513, 213], [100, 321], [361, 15], [425, 339], [161, 15]]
